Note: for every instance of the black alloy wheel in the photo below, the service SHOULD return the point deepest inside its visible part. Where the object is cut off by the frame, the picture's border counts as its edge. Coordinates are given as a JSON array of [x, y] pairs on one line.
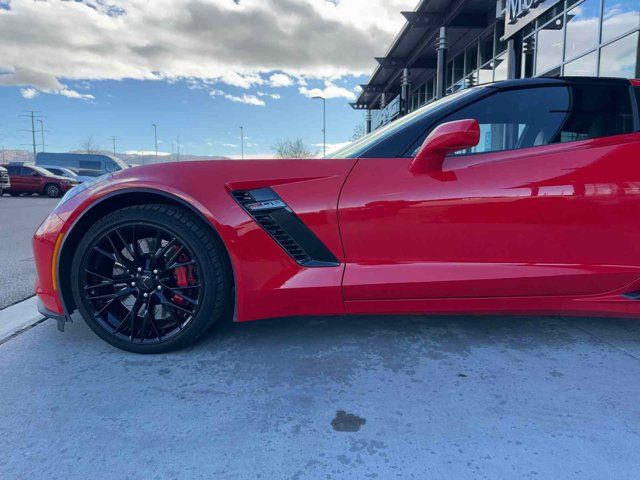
[[149, 279]]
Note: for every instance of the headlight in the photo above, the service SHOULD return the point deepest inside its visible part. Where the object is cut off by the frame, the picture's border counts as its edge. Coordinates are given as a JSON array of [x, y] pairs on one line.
[[82, 187]]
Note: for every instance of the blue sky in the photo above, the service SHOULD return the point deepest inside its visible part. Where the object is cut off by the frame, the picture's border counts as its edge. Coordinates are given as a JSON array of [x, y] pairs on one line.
[[206, 124], [197, 68]]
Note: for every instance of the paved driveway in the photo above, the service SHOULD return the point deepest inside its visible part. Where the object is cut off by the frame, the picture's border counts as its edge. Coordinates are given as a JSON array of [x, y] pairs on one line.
[[370, 397], [19, 219]]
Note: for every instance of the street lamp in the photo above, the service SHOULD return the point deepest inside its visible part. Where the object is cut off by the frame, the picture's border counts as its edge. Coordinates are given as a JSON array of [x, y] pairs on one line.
[[242, 143], [155, 134], [324, 124]]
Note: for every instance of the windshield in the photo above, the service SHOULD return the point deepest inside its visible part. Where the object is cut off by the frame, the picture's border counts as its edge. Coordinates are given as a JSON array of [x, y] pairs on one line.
[[120, 163], [360, 146], [41, 171]]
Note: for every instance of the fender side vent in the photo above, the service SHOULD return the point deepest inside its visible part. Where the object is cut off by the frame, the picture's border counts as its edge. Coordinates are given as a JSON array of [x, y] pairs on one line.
[[283, 225]]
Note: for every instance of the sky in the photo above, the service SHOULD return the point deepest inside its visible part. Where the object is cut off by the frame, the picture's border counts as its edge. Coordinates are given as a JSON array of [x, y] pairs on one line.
[[199, 69]]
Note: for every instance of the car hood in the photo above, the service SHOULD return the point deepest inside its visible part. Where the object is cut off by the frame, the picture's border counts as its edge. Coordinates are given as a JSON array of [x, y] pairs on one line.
[[235, 174]]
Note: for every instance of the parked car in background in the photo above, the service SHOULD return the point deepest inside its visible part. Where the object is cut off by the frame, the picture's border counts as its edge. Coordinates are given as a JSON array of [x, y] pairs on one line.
[[29, 179], [85, 164], [66, 172], [4, 180]]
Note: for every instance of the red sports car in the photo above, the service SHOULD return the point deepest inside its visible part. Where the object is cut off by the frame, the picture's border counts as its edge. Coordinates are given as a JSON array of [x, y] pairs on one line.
[[517, 197]]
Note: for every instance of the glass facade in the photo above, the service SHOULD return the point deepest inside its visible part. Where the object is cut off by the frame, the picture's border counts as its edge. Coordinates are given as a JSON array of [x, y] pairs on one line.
[[587, 37], [571, 38]]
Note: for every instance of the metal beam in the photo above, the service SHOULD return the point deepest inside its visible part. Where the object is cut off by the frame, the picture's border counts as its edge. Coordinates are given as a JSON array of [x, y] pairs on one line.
[[471, 21], [370, 88], [423, 20], [391, 62], [437, 20]]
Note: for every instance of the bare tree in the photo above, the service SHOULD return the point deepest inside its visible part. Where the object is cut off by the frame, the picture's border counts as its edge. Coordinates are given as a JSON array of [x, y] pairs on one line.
[[90, 145], [358, 132], [291, 149]]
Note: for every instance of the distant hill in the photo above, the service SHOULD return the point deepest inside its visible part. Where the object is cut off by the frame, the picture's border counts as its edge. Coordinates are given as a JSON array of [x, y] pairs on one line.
[[7, 156]]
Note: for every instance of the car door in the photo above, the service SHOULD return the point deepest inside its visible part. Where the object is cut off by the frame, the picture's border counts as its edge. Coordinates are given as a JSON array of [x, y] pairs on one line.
[[31, 179], [494, 221], [15, 177]]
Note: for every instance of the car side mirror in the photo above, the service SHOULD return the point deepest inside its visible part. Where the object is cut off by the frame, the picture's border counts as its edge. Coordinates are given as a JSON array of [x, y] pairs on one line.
[[35, 174], [445, 139]]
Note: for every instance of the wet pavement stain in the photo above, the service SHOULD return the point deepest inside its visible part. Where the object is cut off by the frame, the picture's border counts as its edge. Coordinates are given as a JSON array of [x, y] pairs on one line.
[[347, 422]]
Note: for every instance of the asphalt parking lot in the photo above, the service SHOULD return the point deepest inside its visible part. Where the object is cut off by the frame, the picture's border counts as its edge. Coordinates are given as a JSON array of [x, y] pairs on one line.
[[322, 398], [19, 219]]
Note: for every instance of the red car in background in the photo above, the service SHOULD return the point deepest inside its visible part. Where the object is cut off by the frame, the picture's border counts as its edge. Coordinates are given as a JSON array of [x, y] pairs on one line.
[[28, 179], [520, 197]]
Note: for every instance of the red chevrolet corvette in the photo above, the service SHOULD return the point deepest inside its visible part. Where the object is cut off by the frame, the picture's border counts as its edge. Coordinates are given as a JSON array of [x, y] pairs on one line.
[[517, 197]]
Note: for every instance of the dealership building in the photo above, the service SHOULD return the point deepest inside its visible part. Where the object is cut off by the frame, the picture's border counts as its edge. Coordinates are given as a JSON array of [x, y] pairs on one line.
[[449, 45]]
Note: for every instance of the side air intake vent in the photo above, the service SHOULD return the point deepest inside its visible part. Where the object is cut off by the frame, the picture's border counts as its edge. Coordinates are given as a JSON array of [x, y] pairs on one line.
[[278, 220]]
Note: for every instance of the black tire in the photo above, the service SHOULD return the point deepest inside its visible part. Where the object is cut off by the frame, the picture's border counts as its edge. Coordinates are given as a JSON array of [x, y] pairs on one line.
[[209, 255], [15, 194], [52, 190]]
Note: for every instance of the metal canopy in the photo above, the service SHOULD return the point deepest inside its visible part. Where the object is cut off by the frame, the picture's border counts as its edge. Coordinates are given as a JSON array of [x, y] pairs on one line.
[[414, 46]]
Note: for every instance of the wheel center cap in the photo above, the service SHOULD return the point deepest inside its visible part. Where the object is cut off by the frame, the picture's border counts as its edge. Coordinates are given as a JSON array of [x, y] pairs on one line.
[[146, 282]]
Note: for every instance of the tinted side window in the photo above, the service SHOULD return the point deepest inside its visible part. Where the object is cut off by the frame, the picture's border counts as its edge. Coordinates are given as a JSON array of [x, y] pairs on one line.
[[90, 165], [26, 171], [89, 173], [596, 111], [533, 117], [13, 170]]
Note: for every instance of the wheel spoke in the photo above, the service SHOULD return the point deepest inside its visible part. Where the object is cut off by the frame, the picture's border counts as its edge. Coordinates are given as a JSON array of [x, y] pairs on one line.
[[127, 246], [165, 301], [173, 257], [182, 264], [143, 327], [122, 293], [189, 299], [163, 250], [110, 256], [98, 275], [150, 311], [177, 289], [135, 308]]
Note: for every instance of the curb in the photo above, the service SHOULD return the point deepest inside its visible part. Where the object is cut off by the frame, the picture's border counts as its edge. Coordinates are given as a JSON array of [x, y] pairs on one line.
[[19, 318]]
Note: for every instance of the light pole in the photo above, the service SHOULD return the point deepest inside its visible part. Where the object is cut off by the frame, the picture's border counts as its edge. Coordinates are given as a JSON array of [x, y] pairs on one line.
[[324, 124], [42, 132], [155, 134], [242, 143]]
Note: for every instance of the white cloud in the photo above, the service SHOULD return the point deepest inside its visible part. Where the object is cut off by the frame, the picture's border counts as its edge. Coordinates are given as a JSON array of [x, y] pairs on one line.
[[73, 94], [229, 145], [280, 80], [332, 147], [244, 98], [274, 96], [329, 91], [29, 93], [45, 44], [147, 152]]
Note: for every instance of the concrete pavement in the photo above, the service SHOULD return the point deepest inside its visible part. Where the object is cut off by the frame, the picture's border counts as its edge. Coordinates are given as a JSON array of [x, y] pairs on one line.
[[369, 397], [19, 219]]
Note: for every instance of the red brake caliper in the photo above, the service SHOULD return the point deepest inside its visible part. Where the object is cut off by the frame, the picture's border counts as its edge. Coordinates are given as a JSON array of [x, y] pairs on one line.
[[183, 276]]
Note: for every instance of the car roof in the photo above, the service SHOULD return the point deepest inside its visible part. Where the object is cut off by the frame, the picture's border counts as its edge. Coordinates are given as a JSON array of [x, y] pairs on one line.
[[546, 81]]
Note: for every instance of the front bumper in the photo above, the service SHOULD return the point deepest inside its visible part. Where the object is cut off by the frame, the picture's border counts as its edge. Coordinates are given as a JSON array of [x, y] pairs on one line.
[[46, 242], [58, 317]]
